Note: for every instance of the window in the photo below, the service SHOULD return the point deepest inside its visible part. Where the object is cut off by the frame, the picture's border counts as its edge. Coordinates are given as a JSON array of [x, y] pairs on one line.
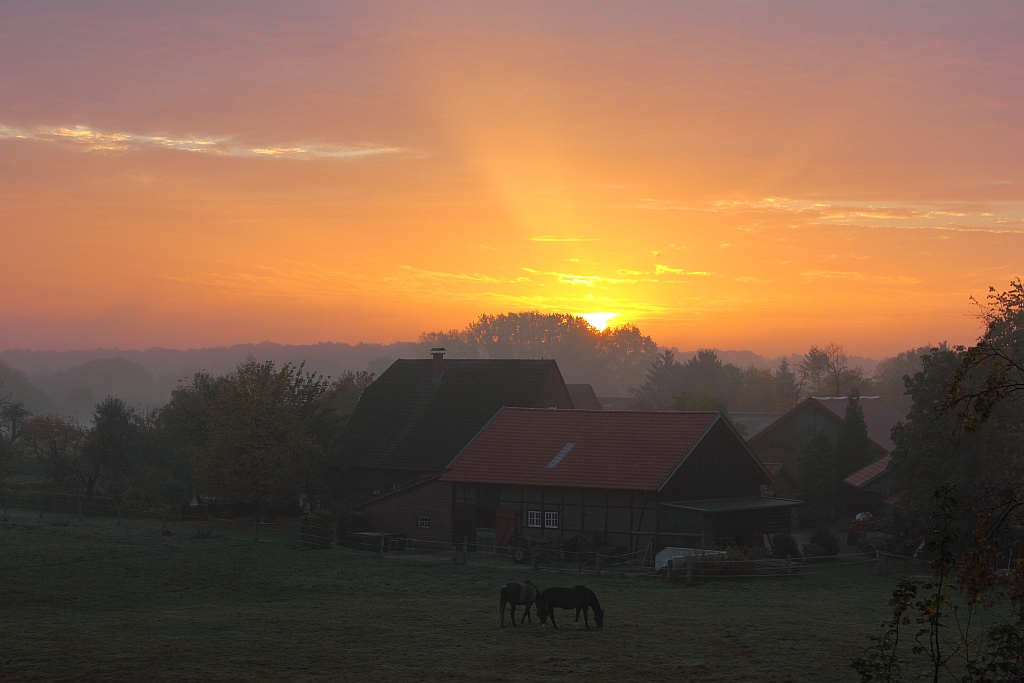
[[423, 522], [550, 520], [533, 519]]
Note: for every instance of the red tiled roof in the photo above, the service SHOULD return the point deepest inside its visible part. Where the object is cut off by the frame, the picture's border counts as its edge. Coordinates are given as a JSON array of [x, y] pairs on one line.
[[605, 449], [868, 472]]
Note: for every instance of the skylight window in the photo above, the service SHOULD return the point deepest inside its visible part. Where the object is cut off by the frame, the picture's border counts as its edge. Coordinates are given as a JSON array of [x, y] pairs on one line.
[[561, 454]]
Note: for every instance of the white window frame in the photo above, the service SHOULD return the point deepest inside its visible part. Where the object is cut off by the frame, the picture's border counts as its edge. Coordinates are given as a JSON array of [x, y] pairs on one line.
[[534, 519], [423, 522], [550, 519]]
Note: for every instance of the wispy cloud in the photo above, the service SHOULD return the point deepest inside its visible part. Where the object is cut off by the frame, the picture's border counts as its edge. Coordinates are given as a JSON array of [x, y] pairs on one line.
[[553, 238], [438, 275], [660, 269], [88, 139], [848, 275]]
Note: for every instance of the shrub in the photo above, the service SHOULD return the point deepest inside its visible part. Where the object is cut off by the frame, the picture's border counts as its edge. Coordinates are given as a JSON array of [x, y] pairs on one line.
[[316, 531], [783, 545], [826, 540]]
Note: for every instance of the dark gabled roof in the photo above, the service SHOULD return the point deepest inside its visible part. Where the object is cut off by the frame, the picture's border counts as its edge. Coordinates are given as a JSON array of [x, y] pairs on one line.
[[595, 449], [399, 490], [406, 420], [583, 397], [879, 416]]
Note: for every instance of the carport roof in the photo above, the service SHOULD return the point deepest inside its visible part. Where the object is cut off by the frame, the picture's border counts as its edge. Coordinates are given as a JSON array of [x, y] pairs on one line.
[[713, 505]]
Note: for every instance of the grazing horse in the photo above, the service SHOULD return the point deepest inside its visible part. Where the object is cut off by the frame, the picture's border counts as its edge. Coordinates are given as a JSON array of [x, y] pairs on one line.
[[514, 593], [580, 598]]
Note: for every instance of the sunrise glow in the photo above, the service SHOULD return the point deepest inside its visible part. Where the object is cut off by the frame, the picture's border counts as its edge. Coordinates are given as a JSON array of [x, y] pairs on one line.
[[598, 321], [739, 177]]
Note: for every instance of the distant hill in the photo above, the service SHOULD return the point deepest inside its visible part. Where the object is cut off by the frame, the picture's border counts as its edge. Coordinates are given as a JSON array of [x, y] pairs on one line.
[[16, 384], [71, 382]]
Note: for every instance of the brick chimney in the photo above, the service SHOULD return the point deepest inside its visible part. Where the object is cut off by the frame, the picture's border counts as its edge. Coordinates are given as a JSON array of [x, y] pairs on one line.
[[437, 353]]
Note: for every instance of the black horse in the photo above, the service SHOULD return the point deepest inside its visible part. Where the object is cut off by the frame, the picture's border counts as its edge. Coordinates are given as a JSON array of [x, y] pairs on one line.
[[515, 593], [580, 598]]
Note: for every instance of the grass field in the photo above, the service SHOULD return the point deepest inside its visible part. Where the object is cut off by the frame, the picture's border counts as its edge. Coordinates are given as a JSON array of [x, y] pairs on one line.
[[93, 601]]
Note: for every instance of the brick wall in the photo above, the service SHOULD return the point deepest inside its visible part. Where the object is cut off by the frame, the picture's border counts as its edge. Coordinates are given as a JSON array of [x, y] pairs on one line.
[[399, 513]]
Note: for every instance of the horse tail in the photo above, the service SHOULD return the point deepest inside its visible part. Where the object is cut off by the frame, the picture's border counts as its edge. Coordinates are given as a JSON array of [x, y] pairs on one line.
[[502, 601]]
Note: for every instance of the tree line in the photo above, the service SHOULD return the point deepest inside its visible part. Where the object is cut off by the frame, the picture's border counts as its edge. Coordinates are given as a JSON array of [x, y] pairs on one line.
[[260, 433], [705, 382]]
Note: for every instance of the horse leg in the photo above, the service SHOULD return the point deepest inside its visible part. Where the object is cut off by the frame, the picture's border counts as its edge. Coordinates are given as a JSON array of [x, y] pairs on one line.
[[586, 619], [501, 615], [527, 615], [553, 618]]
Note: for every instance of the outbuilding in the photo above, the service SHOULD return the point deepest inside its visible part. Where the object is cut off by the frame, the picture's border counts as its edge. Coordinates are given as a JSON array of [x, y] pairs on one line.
[[640, 480]]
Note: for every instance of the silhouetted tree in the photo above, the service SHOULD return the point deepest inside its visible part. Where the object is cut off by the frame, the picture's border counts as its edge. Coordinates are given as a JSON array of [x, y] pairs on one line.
[[112, 444], [57, 443], [818, 481], [826, 371], [853, 448], [612, 360], [787, 392], [13, 417]]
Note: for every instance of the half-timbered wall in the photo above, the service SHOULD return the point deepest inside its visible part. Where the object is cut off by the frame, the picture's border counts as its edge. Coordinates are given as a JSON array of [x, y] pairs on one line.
[[622, 518]]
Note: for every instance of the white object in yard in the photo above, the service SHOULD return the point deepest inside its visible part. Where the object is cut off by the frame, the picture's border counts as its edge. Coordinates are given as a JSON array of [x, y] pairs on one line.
[[194, 503], [662, 558], [864, 517]]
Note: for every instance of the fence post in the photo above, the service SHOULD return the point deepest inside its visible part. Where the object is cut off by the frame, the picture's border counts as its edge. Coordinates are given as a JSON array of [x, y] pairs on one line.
[[669, 567], [597, 562], [79, 506], [789, 562], [533, 557], [41, 499], [465, 549], [382, 545], [689, 571]]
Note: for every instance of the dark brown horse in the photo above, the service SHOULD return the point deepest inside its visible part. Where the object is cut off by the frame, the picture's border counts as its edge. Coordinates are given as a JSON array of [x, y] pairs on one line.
[[580, 598], [515, 593]]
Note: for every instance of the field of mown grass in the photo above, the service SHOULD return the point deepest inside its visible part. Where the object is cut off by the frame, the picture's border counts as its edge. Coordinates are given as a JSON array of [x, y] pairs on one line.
[[93, 601]]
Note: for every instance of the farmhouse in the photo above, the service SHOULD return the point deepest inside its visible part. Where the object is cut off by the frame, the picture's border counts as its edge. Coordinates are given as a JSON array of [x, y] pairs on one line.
[[621, 478], [782, 440], [419, 414]]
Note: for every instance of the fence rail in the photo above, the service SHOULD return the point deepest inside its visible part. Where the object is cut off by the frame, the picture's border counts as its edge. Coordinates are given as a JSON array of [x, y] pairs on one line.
[[692, 569]]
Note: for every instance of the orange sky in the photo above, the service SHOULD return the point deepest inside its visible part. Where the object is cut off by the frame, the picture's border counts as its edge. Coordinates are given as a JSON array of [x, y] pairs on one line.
[[762, 176]]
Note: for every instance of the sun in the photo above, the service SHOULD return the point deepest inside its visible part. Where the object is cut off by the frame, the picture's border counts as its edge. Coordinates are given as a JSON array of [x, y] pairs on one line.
[[598, 321]]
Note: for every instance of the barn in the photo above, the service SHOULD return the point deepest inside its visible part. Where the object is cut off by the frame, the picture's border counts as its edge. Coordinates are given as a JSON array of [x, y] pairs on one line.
[[782, 440], [623, 478], [420, 413]]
